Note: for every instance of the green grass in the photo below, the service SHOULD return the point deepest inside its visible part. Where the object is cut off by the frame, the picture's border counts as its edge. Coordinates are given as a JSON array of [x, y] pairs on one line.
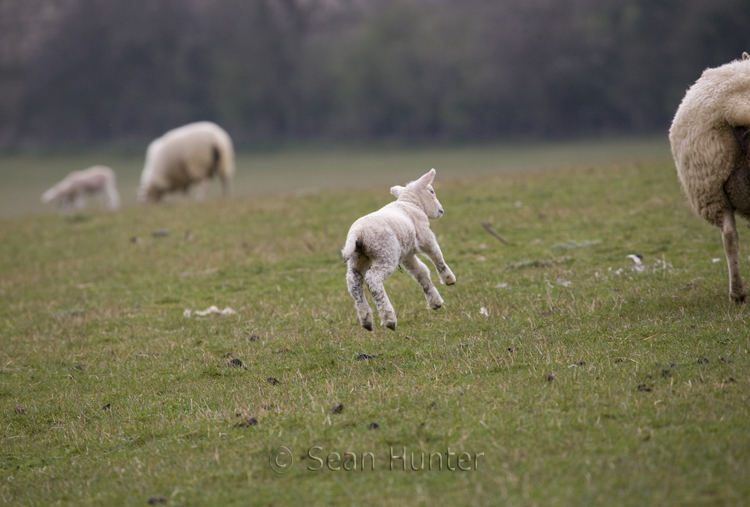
[[585, 384]]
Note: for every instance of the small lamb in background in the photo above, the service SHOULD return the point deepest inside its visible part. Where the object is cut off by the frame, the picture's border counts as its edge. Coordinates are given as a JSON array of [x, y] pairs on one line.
[[189, 154], [709, 138], [377, 243], [72, 190]]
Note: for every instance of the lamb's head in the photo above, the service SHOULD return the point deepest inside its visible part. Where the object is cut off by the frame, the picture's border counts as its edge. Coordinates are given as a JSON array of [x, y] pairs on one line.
[[50, 195], [421, 193], [59, 193]]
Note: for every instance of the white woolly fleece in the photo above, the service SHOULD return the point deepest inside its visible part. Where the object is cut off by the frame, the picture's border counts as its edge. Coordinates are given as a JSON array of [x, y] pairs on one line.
[[381, 241], [186, 155], [703, 144], [72, 190]]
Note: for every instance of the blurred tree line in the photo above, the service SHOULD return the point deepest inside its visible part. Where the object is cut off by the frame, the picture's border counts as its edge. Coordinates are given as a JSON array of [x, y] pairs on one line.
[[91, 71]]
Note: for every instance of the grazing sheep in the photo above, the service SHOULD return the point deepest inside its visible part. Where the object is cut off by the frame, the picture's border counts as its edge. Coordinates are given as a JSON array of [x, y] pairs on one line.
[[186, 155], [709, 138], [377, 243], [72, 190]]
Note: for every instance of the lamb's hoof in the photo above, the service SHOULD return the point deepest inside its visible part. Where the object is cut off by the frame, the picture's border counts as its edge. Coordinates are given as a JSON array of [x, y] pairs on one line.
[[366, 321], [436, 306], [449, 280], [388, 319], [737, 298]]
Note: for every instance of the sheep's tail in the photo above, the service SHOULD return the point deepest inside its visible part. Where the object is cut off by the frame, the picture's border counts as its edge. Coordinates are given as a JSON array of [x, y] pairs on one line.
[[353, 244], [223, 164], [215, 160]]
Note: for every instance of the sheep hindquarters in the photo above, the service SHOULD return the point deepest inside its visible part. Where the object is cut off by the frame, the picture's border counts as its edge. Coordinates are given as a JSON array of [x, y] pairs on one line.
[[737, 191], [737, 186]]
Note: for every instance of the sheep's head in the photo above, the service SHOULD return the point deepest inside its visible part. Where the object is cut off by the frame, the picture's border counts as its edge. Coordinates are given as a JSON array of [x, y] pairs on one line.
[[420, 192]]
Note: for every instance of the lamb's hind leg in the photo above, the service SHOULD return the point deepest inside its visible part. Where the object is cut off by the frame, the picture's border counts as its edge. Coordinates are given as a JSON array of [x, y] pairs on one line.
[[732, 250], [80, 200], [374, 278], [354, 282], [419, 271]]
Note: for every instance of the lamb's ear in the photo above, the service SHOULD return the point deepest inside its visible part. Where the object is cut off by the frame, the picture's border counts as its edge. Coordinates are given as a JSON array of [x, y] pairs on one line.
[[397, 190], [426, 179], [745, 56]]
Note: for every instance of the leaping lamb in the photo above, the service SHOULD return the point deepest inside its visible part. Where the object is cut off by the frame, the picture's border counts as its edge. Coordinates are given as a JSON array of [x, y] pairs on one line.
[[74, 188], [709, 138], [189, 154], [377, 243]]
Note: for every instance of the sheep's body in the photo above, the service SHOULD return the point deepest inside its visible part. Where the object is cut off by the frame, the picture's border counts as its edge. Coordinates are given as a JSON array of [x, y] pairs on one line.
[[186, 155], [72, 190], [709, 139], [377, 243]]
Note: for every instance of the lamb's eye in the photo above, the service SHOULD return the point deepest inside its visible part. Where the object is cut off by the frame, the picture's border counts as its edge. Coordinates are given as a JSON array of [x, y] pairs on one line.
[[432, 192]]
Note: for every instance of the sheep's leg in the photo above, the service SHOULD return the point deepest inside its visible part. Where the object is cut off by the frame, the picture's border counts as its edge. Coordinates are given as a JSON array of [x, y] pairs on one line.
[[354, 282], [104, 197], [226, 185], [80, 200], [419, 271], [202, 191], [432, 250], [732, 249], [111, 196], [374, 278]]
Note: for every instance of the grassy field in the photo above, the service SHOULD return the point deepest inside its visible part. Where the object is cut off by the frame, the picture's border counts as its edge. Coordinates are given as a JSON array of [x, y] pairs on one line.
[[306, 170], [556, 373]]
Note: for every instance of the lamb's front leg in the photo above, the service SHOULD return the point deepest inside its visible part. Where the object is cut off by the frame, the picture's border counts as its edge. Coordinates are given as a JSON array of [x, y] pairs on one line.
[[65, 204], [732, 249], [354, 281], [374, 278], [419, 271], [432, 250]]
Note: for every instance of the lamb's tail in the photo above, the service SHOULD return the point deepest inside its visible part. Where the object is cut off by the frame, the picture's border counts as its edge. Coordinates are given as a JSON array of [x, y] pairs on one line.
[[353, 244]]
